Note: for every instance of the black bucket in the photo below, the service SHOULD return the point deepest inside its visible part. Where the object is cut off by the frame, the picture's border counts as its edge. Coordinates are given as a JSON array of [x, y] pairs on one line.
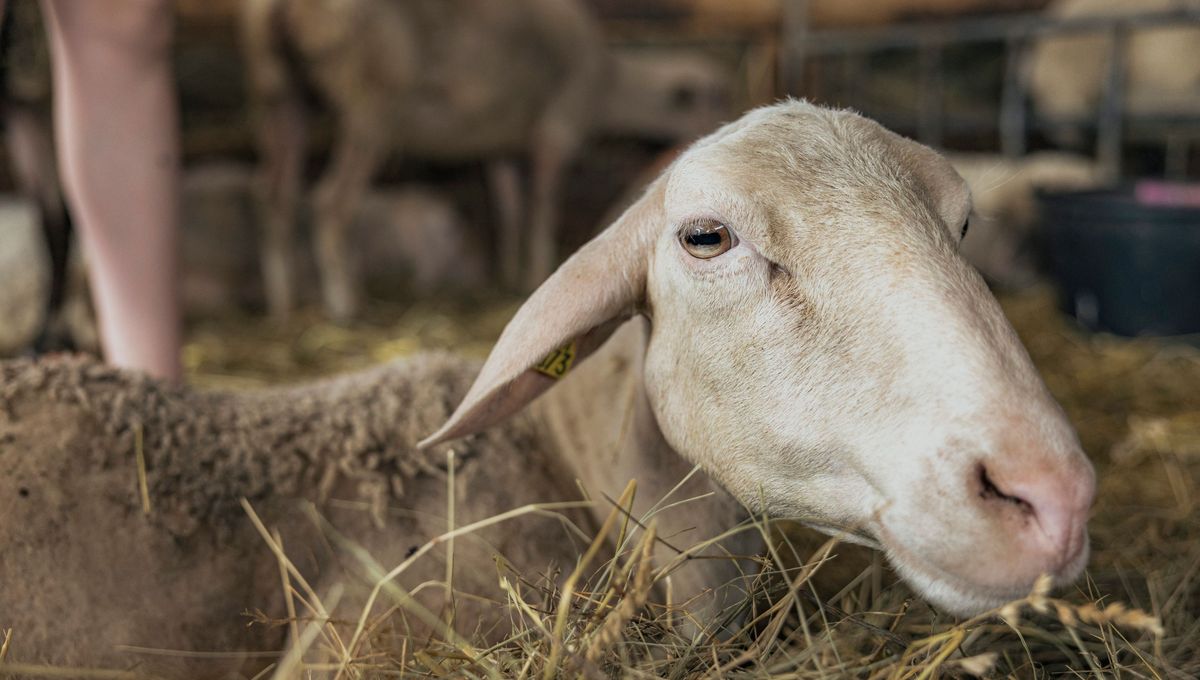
[[1127, 260]]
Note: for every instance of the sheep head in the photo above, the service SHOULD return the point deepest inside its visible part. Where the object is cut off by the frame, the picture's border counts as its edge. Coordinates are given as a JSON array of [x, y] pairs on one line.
[[820, 348]]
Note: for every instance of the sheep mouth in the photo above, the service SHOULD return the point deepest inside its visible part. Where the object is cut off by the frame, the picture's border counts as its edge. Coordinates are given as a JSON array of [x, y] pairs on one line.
[[955, 592], [951, 591], [859, 536]]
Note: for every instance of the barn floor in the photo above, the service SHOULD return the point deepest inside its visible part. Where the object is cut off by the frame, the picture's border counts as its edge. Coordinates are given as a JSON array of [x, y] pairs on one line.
[[1136, 404]]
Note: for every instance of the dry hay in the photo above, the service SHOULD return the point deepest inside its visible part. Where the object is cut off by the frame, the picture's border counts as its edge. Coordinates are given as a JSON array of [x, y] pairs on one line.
[[831, 610], [250, 351]]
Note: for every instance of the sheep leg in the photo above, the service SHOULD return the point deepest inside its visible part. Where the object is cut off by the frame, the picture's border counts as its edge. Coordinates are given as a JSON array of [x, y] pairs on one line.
[[504, 182], [355, 159], [550, 155], [562, 128], [282, 140]]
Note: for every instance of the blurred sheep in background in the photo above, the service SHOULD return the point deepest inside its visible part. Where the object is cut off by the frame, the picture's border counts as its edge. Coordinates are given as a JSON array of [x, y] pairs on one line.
[[411, 239], [665, 95], [529, 80], [435, 79]]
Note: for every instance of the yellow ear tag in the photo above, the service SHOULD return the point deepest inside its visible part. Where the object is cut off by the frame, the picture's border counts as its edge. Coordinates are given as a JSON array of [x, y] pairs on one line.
[[557, 363]]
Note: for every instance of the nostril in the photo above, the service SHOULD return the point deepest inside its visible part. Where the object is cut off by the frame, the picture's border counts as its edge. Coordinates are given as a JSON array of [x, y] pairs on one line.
[[1047, 502], [990, 491]]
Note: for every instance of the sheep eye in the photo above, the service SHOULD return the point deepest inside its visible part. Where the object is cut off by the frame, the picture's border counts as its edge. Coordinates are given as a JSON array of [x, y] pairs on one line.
[[966, 225], [706, 240]]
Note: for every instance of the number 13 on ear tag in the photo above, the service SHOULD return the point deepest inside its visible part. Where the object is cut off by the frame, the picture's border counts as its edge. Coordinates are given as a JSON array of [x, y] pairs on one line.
[[557, 363]]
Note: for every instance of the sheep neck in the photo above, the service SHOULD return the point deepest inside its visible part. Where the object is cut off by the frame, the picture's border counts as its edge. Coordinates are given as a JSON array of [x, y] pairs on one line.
[[599, 421]]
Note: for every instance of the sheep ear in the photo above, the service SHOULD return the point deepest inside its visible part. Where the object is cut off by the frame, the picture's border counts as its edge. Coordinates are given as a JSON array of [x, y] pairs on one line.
[[566, 318]]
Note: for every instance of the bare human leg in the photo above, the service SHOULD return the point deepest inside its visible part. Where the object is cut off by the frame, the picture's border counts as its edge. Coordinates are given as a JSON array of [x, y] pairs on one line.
[[117, 127]]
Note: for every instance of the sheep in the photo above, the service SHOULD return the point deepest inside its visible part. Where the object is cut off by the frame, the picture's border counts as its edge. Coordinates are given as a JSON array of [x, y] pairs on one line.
[[555, 84], [182, 575], [411, 235], [1067, 73], [782, 321], [420, 230], [664, 95], [442, 80], [1005, 219]]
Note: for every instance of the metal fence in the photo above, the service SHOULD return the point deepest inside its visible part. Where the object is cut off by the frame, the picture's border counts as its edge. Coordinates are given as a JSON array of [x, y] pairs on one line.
[[1017, 33]]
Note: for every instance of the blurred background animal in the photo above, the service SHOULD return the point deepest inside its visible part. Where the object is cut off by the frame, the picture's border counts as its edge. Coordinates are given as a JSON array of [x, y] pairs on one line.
[[446, 79], [664, 96], [521, 84]]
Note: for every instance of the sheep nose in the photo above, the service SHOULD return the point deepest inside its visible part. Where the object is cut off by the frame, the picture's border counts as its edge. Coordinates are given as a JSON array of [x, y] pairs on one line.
[[1051, 507]]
